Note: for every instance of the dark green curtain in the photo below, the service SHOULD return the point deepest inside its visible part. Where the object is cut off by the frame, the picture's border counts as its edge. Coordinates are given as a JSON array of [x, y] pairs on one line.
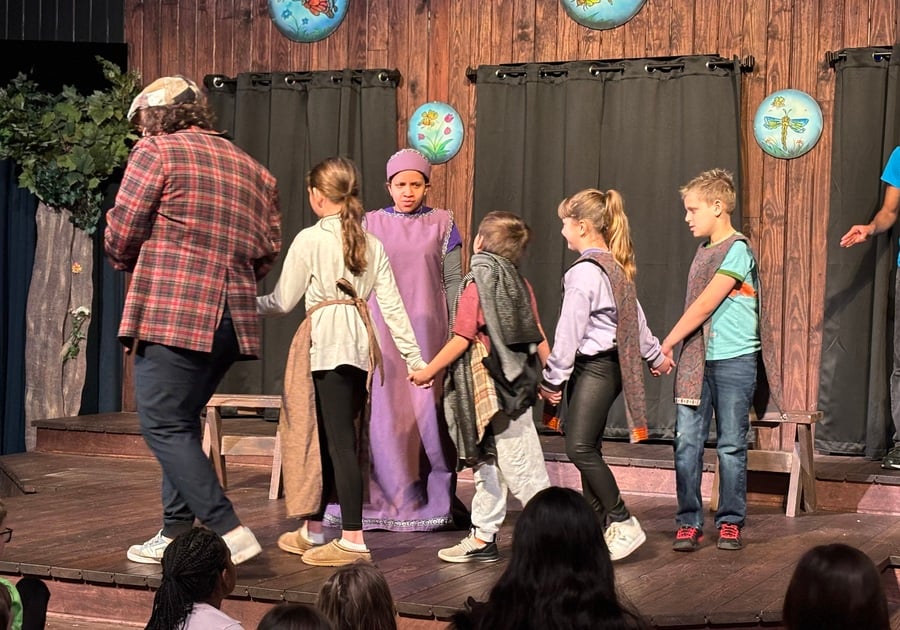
[[17, 238], [103, 377], [641, 126], [857, 336], [290, 121]]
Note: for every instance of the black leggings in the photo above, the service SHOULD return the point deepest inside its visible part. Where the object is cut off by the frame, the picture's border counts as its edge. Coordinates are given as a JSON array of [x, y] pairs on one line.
[[593, 387], [340, 398]]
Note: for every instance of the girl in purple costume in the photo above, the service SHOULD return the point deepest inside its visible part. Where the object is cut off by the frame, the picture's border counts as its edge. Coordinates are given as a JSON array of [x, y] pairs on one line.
[[413, 479]]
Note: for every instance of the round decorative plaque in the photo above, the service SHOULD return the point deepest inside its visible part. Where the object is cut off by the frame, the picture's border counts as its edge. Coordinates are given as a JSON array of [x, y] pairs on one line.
[[602, 14], [436, 131], [788, 123], [309, 20]]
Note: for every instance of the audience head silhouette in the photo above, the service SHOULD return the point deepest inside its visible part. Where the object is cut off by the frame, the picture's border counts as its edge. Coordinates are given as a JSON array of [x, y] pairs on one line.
[[559, 575], [834, 587], [357, 597], [196, 568], [294, 617]]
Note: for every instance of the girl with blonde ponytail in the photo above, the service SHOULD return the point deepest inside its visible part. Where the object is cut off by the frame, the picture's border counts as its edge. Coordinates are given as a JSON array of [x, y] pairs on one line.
[[601, 339], [335, 266]]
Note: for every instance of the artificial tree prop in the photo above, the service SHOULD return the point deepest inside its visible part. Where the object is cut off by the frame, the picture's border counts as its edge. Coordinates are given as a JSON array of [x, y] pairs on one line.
[[67, 146]]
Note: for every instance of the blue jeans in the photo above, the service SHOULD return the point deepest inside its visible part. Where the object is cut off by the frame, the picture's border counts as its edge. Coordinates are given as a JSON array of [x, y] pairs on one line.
[[728, 387], [172, 386]]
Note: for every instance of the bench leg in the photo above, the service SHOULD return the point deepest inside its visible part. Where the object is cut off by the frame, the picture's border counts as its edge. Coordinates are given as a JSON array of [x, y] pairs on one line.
[[795, 488], [807, 467], [212, 443], [275, 481]]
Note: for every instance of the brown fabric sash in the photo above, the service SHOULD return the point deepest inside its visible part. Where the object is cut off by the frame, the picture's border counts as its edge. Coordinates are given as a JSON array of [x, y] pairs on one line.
[[627, 341], [301, 458], [692, 360]]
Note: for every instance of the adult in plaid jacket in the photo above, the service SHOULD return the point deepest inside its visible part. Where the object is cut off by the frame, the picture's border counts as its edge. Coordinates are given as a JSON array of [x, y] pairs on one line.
[[197, 223]]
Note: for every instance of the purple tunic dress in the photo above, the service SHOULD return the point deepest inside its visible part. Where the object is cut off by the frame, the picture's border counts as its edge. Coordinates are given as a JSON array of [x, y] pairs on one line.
[[413, 476]]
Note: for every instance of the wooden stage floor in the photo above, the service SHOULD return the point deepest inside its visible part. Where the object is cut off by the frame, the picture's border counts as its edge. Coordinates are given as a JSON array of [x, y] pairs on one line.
[[82, 511]]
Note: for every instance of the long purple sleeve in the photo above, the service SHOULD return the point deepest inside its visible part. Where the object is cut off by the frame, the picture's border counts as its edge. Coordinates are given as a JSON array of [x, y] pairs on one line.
[[587, 324]]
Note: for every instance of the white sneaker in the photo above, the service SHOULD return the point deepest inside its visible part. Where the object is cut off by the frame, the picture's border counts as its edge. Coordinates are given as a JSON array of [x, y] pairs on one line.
[[242, 544], [150, 552], [624, 538]]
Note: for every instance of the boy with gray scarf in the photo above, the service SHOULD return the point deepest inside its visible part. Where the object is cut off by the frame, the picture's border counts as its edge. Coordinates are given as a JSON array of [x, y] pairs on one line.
[[493, 320]]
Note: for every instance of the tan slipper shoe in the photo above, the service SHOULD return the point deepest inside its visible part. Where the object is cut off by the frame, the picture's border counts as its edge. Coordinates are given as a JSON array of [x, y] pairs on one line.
[[294, 542], [333, 555]]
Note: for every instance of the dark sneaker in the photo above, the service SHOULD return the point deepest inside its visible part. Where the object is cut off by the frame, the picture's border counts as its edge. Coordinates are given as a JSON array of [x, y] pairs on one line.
[[687, 538], [730, 537], [470, 550], [892, 459]]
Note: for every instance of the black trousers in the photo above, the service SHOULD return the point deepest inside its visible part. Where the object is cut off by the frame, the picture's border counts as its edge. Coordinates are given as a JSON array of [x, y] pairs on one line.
[[593, 387], [172, 386], [340, 398]]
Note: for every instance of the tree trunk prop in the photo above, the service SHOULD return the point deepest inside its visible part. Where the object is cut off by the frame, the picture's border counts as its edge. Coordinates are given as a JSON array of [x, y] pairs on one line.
[[57, 319]]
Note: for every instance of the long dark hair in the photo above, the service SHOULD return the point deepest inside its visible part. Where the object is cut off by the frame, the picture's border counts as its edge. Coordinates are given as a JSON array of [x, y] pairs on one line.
[[191, 566], [560, 575], [833, 587]]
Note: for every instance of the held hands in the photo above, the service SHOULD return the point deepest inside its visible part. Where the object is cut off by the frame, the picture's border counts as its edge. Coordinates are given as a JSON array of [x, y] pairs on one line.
[[857, 234], [665, 367], [421, 378], [668, 363], [551, 397]]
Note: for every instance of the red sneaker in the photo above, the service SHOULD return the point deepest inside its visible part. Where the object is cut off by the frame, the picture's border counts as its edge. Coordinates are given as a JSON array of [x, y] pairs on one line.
[[687, 538], [730, 537]]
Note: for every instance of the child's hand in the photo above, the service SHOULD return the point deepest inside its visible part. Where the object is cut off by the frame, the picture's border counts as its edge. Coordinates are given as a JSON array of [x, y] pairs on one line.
[[665, 367], [421, 378], [551, 397]]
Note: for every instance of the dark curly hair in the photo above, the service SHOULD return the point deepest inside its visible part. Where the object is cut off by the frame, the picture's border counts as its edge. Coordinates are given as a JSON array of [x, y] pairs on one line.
[[155, 121], [560, 576]]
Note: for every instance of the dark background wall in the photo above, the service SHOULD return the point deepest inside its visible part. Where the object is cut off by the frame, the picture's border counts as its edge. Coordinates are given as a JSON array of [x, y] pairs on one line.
[[63, 20], [432, 42]]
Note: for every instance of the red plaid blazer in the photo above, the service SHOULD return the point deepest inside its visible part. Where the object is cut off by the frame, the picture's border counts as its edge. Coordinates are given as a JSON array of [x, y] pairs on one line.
[[197, 222]]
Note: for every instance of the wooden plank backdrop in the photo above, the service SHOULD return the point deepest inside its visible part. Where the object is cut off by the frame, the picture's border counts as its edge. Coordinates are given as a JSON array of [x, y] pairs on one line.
[[432, 42]]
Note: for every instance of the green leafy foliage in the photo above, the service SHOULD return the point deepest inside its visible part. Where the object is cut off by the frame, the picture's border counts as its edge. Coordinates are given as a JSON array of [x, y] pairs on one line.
[[68, 144]]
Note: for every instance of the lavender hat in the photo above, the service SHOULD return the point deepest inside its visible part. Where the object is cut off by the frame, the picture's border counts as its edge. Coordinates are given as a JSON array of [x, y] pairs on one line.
[[408, 160]]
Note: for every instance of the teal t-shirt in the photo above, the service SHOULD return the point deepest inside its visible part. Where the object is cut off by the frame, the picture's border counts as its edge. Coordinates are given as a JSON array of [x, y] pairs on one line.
[[15, 613], [734, 326], [891, 176]]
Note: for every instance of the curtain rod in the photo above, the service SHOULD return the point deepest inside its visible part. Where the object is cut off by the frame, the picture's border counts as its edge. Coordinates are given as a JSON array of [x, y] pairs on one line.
[[660, 64], [218, 81], [832, 58]]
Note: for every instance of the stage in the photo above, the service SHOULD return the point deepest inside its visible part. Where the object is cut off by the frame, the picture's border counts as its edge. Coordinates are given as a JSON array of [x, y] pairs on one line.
[[91, 490]]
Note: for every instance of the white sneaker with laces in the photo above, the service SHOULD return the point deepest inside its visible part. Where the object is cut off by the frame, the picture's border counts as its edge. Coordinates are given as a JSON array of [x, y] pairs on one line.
[[242, 544], [150, 552], [623, 538], [469, 550]]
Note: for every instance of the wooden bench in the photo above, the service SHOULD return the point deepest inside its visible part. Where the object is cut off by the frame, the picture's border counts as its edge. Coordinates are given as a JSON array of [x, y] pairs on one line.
[[797, 463], [216, 446]]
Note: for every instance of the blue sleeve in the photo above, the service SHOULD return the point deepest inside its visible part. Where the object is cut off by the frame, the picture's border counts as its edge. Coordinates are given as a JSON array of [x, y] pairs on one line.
[[891, 174], [738, 261]]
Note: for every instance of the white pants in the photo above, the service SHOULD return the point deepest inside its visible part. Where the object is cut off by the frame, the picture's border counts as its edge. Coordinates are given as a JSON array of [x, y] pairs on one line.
[[518, 468]]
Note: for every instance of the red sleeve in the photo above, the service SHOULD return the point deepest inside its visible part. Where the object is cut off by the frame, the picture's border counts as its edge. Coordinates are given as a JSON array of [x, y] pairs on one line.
[[466, 324]]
